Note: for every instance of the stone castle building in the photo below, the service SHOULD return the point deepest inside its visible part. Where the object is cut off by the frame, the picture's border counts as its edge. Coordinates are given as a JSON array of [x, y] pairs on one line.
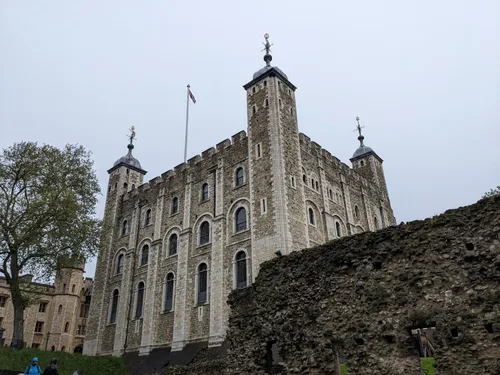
[[56, 319], [174, 247]]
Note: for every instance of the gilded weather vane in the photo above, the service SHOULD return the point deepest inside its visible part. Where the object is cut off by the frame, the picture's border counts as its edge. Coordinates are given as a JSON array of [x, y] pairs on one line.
[[132, 134], [358, 129], [267, 45]]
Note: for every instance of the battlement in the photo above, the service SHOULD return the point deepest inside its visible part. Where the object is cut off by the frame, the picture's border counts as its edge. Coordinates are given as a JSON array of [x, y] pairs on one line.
[[220, 150], [315, 149]]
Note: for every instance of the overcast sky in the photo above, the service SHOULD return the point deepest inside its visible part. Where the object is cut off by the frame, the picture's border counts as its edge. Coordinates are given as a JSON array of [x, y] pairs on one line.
[[422, 75]]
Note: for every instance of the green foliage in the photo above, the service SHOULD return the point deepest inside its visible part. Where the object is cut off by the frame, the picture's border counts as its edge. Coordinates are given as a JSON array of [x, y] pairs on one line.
[[47, 213], [427, 364], [18, 360], [343, 369], [492, 192]]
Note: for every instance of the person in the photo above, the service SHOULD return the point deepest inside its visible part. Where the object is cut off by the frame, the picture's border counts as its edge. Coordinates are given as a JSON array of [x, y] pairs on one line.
[[34, 368], [52, 368]]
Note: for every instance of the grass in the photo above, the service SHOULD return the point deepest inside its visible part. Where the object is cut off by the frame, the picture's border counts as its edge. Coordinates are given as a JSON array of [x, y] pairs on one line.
[[427, 364], [18, 360]]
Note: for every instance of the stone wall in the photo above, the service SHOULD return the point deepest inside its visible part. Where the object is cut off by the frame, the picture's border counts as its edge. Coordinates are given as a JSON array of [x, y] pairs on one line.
[[357, 299]]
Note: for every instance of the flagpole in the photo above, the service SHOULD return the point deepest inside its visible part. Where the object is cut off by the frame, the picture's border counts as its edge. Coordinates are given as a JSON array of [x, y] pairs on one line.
[[187, 122]]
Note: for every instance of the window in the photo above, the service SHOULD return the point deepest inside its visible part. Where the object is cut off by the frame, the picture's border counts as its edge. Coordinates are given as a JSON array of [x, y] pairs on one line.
[[202, 284], [240, 176], [241, 219], [311, 216], [317, 185], [125, 185], [128, 171], [79, 330], [375, 222], [59, 309], [265, 83], [35, 346], [263, 206], [241, 270], [254, 110], [42, 307], [73, 288], [362, 163], [52, 348], [175, 206], [258, 151], [147, 220], [133, 186], [253, 90], [124, 227], [312, 183], [292, 179], [144, 255], [172, 244], [267, 103], [38, 327], [119, 264], [65, 288], [337, 227], [204, 233], [205, 195], [169, 292], [291, 111], [63, 349], [66, 327], [140, 300], [114, 306], [304, 179], [356, 212]]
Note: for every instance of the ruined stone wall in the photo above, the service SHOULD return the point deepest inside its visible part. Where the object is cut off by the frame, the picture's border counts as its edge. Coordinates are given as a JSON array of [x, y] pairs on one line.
[[358, 298]]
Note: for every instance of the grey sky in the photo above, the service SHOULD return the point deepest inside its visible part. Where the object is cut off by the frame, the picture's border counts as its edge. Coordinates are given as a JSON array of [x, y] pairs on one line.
[[423, 76]]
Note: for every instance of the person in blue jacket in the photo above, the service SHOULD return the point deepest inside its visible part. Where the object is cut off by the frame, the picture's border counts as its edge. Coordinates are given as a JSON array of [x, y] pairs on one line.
[[34, 368]]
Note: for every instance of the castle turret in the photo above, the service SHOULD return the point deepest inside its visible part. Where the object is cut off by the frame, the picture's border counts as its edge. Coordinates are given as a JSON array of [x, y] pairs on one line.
[[125, 175], [278, 213]]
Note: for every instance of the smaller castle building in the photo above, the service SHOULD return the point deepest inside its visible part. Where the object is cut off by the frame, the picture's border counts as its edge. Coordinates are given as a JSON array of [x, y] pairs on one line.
[[56, 318]]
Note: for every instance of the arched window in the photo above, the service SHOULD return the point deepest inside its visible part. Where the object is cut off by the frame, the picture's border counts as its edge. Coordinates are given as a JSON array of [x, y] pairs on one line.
[[169, 292], [253, 90], [311, 216], [339, 231], [175, 205], [356, 212], [204, 233], [267, 103], [375, 222], [172, 244], [265, 83], [241, 270], [66, 327], [140, 300], [73, 288], [202, 284], [317, 185], [254, 110], [304, 179], [362, 163], [241, 219], [114, 306], [312, 183], [144, 255], [240, 176], [205, 192], [124, 227], [147, 219], [59, 309], [119, 264]]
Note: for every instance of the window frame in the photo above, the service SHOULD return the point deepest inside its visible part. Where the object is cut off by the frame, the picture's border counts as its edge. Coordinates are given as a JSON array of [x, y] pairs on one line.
[[120, 263], [139, 300], [239, 177], [198, 295], [205, 192], [169, 282], [113, 306], [174, 208], [142, 263], [176, 250], [148, 217], [238, 267], [207, 237], [311, 216], [338, 229], [39, 326], [240, 226], [124, 229]]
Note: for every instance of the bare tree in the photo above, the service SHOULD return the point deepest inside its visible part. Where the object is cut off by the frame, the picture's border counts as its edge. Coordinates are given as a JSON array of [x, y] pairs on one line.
[[47, 212]]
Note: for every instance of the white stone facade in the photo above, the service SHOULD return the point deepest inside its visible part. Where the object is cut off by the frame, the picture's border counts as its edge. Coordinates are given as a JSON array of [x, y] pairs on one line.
[[293, 194]]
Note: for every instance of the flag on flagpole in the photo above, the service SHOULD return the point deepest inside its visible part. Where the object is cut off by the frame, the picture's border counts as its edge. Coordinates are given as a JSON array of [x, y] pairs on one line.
[[192, 96]]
